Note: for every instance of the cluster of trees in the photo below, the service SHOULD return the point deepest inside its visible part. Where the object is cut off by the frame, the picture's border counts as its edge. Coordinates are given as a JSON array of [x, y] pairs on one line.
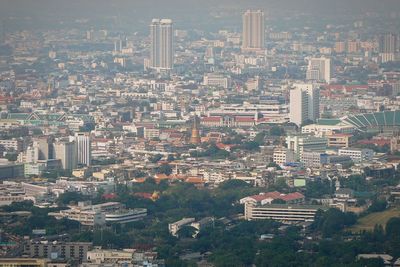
[[165, 169], [212, 151], [333, 221], [230, 244], [316, 189], [37, 220], [71, 197]]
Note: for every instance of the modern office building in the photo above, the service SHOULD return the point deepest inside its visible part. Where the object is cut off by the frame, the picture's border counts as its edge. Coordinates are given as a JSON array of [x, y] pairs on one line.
[[301, 143], [319, 69], [253, 30], [83, 146], [162, 50], [286, 213], [304, 103], [66, 151]]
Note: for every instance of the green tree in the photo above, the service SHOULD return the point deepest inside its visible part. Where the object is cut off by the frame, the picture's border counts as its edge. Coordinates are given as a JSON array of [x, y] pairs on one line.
[[274, 165], [259, 138], [333, 221], [276, 131], [156, 158], [393, 236], [11, 156], [68, 197], [165, 169], [378, 205], [187, 232]]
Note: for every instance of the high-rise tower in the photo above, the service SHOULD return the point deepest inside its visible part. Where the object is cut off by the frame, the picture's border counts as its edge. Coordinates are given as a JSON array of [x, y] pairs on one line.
[[65, 151], [304, 103], [388, 46], [162, 50], [83, 146], [253, 30]]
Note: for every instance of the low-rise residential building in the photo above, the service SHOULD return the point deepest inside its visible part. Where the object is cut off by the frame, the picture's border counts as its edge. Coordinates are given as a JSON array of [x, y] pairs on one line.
[[282, 156], [57, 249], [357, 155]]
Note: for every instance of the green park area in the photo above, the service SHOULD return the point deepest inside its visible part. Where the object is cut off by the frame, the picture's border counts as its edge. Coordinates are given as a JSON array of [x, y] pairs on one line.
[[368, 222]]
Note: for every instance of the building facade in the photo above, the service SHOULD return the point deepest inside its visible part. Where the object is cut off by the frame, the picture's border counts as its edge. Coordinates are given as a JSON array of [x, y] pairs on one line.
[[304, 103], [319, 69], [253, 30], [162, 50], [83, 146]]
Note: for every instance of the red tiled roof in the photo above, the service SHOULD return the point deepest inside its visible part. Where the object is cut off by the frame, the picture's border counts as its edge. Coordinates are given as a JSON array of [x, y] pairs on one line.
[[244, 119], [109, 196], [194, 180], [211, 119], [377, 142], [292, 196]]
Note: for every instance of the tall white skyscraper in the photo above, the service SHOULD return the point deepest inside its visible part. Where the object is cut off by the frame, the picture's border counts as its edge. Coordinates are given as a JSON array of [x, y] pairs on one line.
[[162, 47], [65, 151], [83, 147], [319, 69], [304, 103], [253, 30]]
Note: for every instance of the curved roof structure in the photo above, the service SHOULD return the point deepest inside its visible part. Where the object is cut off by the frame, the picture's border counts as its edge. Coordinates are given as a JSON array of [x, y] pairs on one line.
[[374, 120]]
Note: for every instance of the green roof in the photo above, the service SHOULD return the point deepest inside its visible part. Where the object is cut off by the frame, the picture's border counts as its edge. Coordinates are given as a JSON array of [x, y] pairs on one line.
[[329, 121], [50, 117], [18, 116]]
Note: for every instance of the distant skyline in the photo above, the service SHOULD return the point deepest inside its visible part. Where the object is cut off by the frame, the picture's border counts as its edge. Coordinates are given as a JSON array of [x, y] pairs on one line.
[[205, 15]]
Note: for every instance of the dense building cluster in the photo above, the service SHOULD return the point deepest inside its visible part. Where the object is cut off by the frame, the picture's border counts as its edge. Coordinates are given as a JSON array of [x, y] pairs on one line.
[[116, 148]]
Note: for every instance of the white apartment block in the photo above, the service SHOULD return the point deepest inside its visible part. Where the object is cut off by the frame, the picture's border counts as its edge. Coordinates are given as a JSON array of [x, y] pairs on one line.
[[301, 143], [304, 103]]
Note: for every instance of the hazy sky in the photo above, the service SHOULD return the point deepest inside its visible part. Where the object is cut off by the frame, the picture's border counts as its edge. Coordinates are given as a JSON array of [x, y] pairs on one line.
[[137, 13]]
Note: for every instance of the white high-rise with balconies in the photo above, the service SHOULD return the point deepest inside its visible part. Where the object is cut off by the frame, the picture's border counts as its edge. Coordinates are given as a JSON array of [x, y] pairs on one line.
[[253, 30], [304, 103], [319, 69], [162, 47]]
